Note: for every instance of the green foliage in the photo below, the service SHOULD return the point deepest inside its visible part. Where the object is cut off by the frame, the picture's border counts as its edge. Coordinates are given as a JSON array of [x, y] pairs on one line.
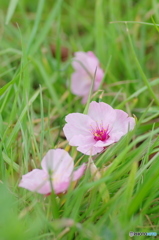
[[35, 97]]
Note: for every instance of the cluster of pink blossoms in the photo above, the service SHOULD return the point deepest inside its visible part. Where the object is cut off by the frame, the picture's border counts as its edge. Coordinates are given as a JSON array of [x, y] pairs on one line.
[[91, 132]]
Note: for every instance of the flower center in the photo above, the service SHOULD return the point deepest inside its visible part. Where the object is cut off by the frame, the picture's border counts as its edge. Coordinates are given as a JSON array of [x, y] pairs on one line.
[[100, 134]]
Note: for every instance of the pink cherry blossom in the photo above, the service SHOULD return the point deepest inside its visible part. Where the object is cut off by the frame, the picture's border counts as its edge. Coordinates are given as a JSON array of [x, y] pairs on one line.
[[101, 127], [56, 173], [85, 65]]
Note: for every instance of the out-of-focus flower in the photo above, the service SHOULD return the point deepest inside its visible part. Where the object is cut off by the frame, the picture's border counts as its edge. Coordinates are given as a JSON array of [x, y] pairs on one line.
[[86, 66], [101, 127], [56, 173]]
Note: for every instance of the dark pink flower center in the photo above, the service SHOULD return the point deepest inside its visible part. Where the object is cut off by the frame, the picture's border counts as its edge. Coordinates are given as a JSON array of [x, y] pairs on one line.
[[100, 134]]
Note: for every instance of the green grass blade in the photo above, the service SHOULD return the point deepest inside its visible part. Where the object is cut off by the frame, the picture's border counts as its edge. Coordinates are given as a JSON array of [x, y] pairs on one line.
[[99, 30], [6, 86], [36, 24], [11, 9], [45, 29], [17, 126], [146, 82]]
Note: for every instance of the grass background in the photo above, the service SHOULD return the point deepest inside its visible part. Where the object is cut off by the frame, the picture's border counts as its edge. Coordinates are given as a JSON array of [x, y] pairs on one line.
[[35, 97]]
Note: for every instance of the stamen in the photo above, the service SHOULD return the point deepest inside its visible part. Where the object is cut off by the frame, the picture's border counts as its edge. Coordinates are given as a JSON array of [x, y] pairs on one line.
[[101, 133]]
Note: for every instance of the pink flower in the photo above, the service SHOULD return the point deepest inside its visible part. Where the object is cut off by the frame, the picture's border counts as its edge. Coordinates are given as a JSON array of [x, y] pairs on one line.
[[101, 127], [57, 170], [85, 65]]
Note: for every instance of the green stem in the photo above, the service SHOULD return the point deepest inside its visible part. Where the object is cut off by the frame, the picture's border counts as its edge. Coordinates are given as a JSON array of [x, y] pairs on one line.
[[54, 205], [90, 93], [103, 190]]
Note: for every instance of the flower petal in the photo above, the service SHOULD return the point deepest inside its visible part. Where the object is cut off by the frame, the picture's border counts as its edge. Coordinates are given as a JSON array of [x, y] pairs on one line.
[[36, 181], [122, 125], [80, 62], [86, 144], [86, 66], [84, 99], [61, 187], [98, 79], [79, 172], [104, 143], [90, 150], [79, 140], [102, 113], [80, 84], [77, 124], [93, 56], [59, 163]]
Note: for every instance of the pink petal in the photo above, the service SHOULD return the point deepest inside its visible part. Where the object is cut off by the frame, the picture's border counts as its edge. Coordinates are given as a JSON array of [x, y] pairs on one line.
[[80, 62], [102, 113], [92, 65], [80, 84], [61, 187], [77, 123], [85, 62], [80, 140], [92, 55], [99, 77], [59, 163], [90, 150], [116, 135], [84, 99], [86, 67], [122, 125], [104, 143], [79, 172], [36, 181]]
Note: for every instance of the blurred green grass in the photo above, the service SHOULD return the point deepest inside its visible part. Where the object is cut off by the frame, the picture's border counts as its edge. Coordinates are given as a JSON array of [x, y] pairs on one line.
[[35, 97]]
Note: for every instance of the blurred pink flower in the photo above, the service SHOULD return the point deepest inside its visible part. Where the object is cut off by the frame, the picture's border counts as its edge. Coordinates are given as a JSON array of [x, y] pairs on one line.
[[101, 127], [57, 170], [85, 65]]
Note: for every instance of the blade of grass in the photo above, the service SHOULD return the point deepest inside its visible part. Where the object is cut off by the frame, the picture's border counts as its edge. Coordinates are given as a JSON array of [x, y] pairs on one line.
[[17, 126], [146, 82], [137, 93], [99, 30], [36, 24], [9, 161], [90, 93], [6, 86], [11, 9], [45, 29], [49, 85], [145, 23]]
